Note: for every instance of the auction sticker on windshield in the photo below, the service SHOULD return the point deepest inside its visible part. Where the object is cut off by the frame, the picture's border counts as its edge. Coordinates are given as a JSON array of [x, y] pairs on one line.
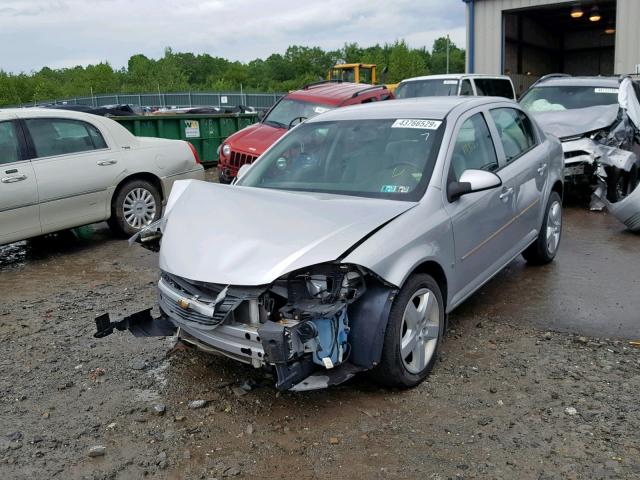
[[416, 123], [606, 90]]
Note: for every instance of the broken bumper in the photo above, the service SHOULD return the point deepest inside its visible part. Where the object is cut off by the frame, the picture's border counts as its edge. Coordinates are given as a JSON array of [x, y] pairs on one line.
[[626, 210]]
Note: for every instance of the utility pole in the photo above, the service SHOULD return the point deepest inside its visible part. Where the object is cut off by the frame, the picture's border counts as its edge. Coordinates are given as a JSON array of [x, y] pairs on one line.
[[448, 52]]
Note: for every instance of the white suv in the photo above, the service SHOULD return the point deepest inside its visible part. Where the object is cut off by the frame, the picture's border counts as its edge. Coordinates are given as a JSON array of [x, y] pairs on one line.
[[456, 84]]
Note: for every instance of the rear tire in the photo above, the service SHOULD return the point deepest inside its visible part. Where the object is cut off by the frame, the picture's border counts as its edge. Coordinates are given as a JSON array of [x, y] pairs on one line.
[[545, 248], [135, 205], [414, 334]]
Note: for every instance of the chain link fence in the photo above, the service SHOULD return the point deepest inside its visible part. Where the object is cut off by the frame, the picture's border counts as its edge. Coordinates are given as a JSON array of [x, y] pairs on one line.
[[178, 100]]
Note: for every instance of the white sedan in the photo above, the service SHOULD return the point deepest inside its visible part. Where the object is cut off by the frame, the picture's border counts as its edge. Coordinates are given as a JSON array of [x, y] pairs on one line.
[[62, 169]]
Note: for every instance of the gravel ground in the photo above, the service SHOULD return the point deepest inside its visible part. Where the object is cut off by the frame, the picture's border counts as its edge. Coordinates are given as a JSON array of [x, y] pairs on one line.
[[507, 399]]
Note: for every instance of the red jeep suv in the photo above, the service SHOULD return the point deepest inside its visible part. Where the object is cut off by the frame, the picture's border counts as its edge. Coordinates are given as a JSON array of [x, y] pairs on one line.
[[248, 144]]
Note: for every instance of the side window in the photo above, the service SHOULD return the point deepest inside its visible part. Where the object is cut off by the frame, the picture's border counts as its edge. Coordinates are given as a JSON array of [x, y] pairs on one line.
[[494, 87], [466, 88], [473, 149], [481, 86], [56, 136], [9, 145], [515, 130]]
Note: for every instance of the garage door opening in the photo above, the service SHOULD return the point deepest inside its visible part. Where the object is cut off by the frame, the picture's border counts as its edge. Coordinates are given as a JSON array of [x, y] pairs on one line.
[[574, 38]]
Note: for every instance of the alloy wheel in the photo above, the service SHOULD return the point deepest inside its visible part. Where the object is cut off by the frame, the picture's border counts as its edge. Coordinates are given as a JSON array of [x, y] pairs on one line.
[[420, 330], [554, 227], [139, 207]]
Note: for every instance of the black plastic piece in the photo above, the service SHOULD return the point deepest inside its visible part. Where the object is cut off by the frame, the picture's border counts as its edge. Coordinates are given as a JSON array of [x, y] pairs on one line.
[[290, 374], [368, 319], [140, 324]]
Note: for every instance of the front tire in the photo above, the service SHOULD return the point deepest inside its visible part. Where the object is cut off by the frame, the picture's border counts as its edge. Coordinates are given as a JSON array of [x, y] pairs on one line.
[[621, 183], [135, 205], [545, 248], [414, 334]]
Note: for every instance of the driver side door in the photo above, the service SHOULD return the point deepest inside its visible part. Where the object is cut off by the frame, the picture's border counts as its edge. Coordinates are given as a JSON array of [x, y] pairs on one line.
[[481, 221]]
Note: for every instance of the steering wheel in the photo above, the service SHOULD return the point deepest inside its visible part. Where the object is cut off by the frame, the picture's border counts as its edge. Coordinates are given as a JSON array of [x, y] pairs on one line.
[[301, 119]]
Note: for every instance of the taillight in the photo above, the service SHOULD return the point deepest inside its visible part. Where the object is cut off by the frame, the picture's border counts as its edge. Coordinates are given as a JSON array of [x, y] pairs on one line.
[[195, 153]]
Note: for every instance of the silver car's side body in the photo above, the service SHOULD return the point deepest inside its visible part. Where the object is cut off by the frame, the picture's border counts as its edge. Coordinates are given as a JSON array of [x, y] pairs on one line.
[[474, 237]]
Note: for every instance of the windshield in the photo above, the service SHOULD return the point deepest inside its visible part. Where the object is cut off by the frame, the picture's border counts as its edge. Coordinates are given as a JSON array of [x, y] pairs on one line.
[[288, 110], [391, 158], [427, 88], [553, 99]]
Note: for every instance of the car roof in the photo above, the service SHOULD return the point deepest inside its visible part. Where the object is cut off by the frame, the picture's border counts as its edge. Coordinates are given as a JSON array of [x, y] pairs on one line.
[[433, 108], [595, 81], [333, 93], [454, 76], [43, 112]]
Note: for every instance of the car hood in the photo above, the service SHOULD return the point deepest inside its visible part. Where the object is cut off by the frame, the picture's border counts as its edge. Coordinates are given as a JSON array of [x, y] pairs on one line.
[[252, 236], [256, 138], [570, 123]]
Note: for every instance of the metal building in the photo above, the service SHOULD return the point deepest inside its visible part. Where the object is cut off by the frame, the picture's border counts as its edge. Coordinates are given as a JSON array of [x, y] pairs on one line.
[[530, 38]]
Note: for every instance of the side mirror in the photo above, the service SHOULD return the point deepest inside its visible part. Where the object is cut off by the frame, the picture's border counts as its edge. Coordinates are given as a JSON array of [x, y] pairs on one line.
[[473, 181], [261, 114], [241, 171]]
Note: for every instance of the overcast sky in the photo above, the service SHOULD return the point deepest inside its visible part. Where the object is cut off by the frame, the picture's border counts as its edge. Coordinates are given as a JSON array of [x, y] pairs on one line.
[[65, 33]]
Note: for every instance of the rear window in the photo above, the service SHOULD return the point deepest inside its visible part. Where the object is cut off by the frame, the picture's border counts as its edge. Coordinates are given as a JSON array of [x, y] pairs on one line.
[[427, 88], [494, 87]]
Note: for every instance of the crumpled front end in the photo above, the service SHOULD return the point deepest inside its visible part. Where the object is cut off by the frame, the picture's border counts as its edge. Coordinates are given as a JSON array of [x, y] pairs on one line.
[[603, 159], [316, 326]]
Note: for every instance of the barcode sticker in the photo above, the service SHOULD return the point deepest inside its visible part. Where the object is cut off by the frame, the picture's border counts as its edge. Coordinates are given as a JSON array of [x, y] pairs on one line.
[[606, 90], [416, 123]]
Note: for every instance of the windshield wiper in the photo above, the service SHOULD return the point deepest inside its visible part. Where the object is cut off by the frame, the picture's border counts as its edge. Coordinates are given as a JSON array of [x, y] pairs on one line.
[[275, 124]]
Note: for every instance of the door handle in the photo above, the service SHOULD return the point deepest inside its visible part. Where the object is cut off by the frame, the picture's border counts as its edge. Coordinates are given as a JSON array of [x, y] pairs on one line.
[[104, 163], [14, 179], [542, 169], [506, 193]]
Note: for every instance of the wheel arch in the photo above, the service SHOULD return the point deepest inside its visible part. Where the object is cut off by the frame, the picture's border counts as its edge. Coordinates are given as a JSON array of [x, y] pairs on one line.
[[558, 187], [433, 268], [149, 177]]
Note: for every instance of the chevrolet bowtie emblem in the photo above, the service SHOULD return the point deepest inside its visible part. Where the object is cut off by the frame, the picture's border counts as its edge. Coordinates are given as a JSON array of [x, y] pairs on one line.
[[183, 303]]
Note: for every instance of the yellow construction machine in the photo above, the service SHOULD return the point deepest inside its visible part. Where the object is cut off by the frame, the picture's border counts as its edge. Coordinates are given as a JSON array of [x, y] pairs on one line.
[[357, 73]]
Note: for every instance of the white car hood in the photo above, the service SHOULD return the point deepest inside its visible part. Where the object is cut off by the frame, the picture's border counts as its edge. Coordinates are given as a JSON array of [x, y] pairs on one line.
[[252, 236]]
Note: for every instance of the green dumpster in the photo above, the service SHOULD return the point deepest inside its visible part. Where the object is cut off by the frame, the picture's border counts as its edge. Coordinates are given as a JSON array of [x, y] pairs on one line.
[[205, 132]]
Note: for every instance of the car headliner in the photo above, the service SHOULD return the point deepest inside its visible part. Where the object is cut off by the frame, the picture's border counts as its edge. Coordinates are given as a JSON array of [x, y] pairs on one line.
[[434, 108]]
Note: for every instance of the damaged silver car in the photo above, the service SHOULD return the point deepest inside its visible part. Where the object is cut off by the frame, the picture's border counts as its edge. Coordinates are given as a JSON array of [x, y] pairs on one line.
[[344, 246], [598, 122]]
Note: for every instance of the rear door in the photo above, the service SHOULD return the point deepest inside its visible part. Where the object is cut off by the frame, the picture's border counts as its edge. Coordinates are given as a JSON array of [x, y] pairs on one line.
[[525, 170], [482, 231], [74, 167], [18, 188]]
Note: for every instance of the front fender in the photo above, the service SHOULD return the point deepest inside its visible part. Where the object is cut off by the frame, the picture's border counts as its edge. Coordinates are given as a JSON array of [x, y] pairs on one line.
[[419, 235]]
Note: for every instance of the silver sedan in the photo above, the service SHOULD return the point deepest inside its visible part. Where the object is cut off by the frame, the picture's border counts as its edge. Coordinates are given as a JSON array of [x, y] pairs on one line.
[[345, 245]]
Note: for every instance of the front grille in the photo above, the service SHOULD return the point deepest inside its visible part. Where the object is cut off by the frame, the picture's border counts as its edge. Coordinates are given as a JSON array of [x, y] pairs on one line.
[[206, 295], [238, 159]]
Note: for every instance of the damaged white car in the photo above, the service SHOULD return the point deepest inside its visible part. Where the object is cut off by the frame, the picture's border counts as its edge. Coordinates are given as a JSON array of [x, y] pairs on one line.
[[344, 246], [598, 122]]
